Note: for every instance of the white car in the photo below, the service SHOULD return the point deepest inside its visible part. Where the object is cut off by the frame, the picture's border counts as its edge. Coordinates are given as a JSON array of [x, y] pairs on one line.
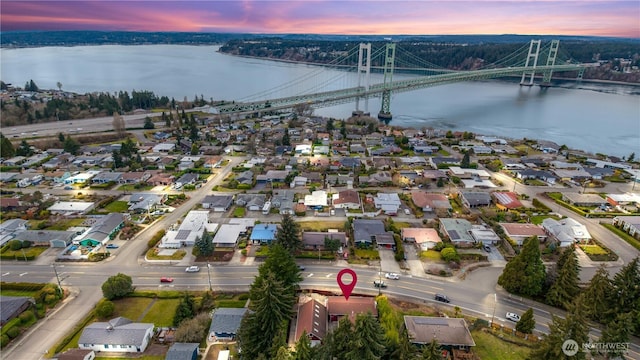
[[513, 317], [392, 276], [192, 269]]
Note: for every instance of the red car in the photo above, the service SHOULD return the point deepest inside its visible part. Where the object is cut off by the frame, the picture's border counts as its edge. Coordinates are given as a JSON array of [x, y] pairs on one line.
[[166, 279]]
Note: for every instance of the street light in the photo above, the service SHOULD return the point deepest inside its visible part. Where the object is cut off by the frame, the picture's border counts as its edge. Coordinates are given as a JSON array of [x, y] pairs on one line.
[[380, 279], [209, 276], [495, 301], [57, 277]]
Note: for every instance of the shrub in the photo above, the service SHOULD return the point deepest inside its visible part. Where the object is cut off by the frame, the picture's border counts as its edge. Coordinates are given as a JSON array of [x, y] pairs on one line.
[[27, 316], [155, 239], [450, 254], [4, 340], [243, 297], [105, 308], [15, 245], [26, 244], [243, 252], [13, 332]]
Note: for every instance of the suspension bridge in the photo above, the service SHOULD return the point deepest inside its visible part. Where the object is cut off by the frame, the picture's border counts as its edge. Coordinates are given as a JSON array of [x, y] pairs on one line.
[[315, 90]]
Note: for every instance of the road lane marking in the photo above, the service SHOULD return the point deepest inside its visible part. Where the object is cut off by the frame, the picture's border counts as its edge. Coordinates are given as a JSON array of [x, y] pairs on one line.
[[310, 275], [5, 274], [329, 275], [24, 273]]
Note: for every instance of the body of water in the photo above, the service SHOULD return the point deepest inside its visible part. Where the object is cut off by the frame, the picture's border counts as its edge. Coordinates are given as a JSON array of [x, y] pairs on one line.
[[595, 118]]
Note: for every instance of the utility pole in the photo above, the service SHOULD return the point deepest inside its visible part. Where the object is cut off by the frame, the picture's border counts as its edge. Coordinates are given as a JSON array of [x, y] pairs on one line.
[[495, 301], [209, 276], [57, 277], [380, 278]]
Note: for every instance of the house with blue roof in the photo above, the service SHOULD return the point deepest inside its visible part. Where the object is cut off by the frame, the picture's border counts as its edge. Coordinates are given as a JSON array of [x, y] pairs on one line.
[[264, 233]]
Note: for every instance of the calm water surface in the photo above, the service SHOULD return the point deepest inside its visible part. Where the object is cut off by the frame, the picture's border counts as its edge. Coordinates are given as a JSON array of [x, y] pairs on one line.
[[595, 118]]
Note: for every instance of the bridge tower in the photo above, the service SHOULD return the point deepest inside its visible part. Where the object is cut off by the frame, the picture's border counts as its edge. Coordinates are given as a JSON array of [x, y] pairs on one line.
[[390, 56], [551, 60], [531, 57], [364, 75]]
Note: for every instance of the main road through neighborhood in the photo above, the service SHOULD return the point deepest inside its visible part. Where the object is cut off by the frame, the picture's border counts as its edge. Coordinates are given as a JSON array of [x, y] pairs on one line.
[[476, 294]]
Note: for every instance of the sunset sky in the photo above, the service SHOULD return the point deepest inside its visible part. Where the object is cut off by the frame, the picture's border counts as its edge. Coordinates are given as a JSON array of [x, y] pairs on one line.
[[553, 17]]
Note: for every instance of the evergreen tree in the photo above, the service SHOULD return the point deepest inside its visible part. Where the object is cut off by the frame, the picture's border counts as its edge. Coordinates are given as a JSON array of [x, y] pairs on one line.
[[597, 293], [24, 149], [204, 244], [565, 287], [61, 137], [288, 234], [573, 327], [368, 341], [432, 351], [303, 351], [117, 159], [71, 146], [625, 296], [404, 349], [330, 125], [525, 273], [6, 147], [618, 331], [166, 120], [148, 123], [466, 161], [185, 310], [338, 342], [282, 354], [271, 303], [631, 157], [285, 138], [527, 322], [282, 264]]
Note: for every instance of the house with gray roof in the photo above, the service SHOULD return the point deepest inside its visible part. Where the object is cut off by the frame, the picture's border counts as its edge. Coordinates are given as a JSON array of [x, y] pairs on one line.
[[457, 230], [105, 228], [107, 177], [314, 240], [283, 200], [225, 323], [52, 238], [217, 203], [141, 202], [472, 199], [450, 333], [12, 306], [366, 230], [186, 179], [183, 351], [253, 202], [9, 228], [117, 335]]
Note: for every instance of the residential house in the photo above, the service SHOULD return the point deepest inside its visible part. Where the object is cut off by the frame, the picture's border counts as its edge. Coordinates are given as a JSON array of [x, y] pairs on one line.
[[12, 306], [542, 175], [9, 204], [599, 173], [228, 234], [458, 231], [81, 178], [473, 199], [52, 238], [312, 321], [423, 238], [252, 202], [468, 173], [69, 208], [566, 231], [316, 200], [225, 323], [350, 162], [145, 202], [434, 175], [376, 179], [357, 149], [117, 335], [312, 177], [321, 150], [315, 240], [134, 177], [506, 200], [283, 200], [429, 202], [303, 149], [10, 227], [386, 240], [105, 228], [186, 179], [273, 176], [389, 203], [217, 203], [346, 199], [161, 179], [366, 230], [298, 181], [584, 199], [443, 162], [338, 307], [263, 233], [183, 351], [339, 180], [413, 161], [77, 354], [572, 174], [629, 224], [107, 177], [519, 232], [484, 235], [452, 334], [194, 224]]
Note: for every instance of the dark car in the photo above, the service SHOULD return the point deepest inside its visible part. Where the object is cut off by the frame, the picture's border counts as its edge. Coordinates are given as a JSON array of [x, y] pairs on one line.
[[442, 298], [486, 248], [301, 267], [165, 279], [379, 284]]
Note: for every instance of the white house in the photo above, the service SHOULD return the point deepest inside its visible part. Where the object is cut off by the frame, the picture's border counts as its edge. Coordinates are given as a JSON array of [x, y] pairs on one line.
[[317, 198], [193, 225], [117, 335], [566, 231]]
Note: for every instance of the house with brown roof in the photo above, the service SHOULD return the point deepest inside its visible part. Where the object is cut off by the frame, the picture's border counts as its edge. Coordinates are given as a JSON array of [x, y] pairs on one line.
[[518, 232], [506, 200], [312, 319], [338, 307], [423, 238], [346, 199], [450, 333], [429, 202], [77, 354]]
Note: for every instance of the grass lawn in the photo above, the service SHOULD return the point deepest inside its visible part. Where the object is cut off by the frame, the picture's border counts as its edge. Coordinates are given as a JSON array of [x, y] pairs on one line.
[[17, 293], [239, 212], [131, 307], [489, 347], [143, 357], [367, 254], [178, 255], [63, 225], [161, 312], [593, 250], [117, 206], [431, 255], [32, 252], [230, 303], [537, 219], [321, 225]]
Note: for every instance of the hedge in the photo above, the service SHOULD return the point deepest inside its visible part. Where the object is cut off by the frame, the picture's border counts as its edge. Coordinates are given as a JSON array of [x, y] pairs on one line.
[[13, 323], [155, 239], [22, 286]]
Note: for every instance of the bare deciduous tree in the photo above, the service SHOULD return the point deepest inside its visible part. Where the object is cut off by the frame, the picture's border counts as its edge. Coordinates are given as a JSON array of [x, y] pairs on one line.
[[118, 124]]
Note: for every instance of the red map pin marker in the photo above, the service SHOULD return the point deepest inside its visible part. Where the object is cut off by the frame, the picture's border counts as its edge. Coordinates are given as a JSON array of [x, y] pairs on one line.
[[347, 288]]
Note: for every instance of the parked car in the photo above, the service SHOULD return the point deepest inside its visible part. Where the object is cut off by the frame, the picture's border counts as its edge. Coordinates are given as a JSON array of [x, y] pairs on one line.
[[392, 276], [112, 246], [486, 248], [379, 284], [192, 269], [513, 317], [165, 279], [442, 298], [68, 187], [301, 267]]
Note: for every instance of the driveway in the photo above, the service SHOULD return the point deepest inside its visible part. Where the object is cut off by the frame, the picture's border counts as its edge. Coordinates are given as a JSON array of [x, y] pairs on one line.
[[413, 260], [388, 261]]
